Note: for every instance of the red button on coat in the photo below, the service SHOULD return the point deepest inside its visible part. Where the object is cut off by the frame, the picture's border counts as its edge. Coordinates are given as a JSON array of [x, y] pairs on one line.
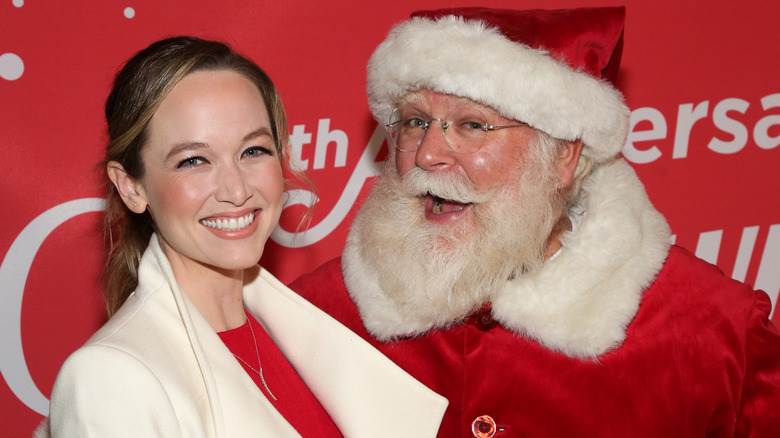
[[483, 318], [483, 427]]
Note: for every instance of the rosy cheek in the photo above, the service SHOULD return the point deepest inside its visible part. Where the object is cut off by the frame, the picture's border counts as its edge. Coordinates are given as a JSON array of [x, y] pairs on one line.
[[404, 162], [479, 169], [480, 162], [488, 167], [275, 185], [178, 193], [189, 188]]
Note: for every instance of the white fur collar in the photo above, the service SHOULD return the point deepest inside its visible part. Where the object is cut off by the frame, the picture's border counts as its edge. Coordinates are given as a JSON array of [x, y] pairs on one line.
[[579, 303]]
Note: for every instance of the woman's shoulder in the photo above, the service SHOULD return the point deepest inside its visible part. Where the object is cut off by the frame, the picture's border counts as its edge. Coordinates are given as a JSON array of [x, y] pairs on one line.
[[103, 387], [140, 316], [137, 361], [140, 337]]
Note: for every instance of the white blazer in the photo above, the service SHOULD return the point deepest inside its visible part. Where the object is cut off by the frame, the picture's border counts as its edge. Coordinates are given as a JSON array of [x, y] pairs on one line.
[[158, 369]]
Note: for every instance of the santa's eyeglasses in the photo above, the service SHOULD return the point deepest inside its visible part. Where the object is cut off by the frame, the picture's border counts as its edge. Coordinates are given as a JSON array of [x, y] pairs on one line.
[[464, 129]]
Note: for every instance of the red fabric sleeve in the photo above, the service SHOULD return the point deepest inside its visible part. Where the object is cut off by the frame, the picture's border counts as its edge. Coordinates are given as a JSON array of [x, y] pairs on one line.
[[760, 404]]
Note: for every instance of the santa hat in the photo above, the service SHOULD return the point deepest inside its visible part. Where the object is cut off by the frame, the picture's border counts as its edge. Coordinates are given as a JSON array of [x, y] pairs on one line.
[[551, 69]]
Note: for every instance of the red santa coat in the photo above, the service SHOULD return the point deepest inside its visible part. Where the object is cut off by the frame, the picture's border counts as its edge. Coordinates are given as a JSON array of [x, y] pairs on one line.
[[700, 359], [634, 339]]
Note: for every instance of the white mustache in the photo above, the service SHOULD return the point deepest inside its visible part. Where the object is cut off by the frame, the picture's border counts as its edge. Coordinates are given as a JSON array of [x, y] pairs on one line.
[[446, 185]]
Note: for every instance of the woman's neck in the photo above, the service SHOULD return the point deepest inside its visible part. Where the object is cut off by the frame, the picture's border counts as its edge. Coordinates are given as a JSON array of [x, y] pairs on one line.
[[220, 302], [217, 294]]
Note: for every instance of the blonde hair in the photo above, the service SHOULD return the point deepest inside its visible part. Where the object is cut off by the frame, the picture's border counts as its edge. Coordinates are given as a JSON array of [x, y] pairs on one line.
[[139, 88]]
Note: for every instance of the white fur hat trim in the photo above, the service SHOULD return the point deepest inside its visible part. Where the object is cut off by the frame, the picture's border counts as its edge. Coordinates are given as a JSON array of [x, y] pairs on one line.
[[469, 59]]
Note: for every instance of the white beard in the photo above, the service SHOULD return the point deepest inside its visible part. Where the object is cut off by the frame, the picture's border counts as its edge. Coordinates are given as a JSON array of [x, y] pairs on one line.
[[439, 274]]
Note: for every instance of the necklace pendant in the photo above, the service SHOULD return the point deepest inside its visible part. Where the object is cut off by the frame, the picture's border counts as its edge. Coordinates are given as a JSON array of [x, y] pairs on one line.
[[259, 370]]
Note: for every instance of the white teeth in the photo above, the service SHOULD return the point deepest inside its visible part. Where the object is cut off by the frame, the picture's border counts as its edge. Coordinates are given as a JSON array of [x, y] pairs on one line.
[[230, 224]]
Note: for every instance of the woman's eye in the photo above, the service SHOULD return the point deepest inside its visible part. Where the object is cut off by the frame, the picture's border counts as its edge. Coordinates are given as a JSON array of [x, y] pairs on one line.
[[257, 151], [191, 162]]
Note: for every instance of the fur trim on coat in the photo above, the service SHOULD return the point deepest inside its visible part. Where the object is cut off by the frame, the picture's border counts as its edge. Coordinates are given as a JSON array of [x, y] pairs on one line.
[[578, 303]]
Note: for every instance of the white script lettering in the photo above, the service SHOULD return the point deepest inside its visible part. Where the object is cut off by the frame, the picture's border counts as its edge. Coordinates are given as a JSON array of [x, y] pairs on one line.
[[325, 137], [13, 276], [366, 168]]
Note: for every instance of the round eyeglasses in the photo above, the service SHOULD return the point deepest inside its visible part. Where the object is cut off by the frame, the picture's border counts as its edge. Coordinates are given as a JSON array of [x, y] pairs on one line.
[[464, 129]]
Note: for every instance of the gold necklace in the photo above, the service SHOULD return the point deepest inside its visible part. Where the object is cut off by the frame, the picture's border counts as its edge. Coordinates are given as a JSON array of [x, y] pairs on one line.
[[259, 365]]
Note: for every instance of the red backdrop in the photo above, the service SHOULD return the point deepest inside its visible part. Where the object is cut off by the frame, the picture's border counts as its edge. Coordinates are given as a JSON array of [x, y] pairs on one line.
[[700, 77]]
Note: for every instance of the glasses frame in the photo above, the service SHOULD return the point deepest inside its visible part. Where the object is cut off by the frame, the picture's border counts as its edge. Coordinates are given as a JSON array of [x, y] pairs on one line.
[[487, 127]]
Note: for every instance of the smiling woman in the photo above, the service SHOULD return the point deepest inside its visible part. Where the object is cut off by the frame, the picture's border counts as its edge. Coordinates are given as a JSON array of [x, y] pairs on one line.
[[209, 158], [202, 341]]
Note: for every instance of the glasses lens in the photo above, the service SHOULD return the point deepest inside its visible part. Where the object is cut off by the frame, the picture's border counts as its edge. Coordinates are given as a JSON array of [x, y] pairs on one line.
[[393, 127], [407, 128], [464, 129], [468, 129]]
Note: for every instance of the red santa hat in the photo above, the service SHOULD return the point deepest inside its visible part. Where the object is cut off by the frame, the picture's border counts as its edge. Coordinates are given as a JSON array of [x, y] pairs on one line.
[[551, 69]]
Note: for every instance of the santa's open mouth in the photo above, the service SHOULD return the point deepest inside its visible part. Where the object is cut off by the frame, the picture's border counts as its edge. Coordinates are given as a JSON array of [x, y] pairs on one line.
[[438, 209], [442, 206]]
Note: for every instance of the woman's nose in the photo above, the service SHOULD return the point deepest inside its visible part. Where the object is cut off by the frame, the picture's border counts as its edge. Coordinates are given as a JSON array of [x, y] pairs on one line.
[[233, 187]]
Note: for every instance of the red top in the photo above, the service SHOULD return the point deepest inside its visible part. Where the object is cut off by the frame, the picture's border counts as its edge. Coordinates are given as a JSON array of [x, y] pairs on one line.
[[293, 400]]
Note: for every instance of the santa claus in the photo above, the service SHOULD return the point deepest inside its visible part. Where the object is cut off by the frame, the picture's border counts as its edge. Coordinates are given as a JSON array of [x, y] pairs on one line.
[[509, 259]]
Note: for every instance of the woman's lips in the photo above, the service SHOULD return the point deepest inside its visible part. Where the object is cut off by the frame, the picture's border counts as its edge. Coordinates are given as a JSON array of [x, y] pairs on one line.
[[230, 223], [233, 227]]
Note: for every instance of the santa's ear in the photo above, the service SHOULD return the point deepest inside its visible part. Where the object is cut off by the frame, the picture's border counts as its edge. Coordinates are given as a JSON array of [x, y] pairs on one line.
[[130, 189], [568, 158]]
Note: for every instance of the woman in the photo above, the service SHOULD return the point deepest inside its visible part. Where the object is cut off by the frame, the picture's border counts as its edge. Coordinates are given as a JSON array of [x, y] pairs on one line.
[[202, 342]]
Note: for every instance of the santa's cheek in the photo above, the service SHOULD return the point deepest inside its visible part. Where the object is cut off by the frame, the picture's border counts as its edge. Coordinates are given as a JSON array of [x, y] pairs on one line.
[[483, 173]]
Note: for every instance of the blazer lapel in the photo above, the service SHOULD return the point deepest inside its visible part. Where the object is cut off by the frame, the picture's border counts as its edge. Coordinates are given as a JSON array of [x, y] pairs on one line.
[[364, 392], [238, 408]]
